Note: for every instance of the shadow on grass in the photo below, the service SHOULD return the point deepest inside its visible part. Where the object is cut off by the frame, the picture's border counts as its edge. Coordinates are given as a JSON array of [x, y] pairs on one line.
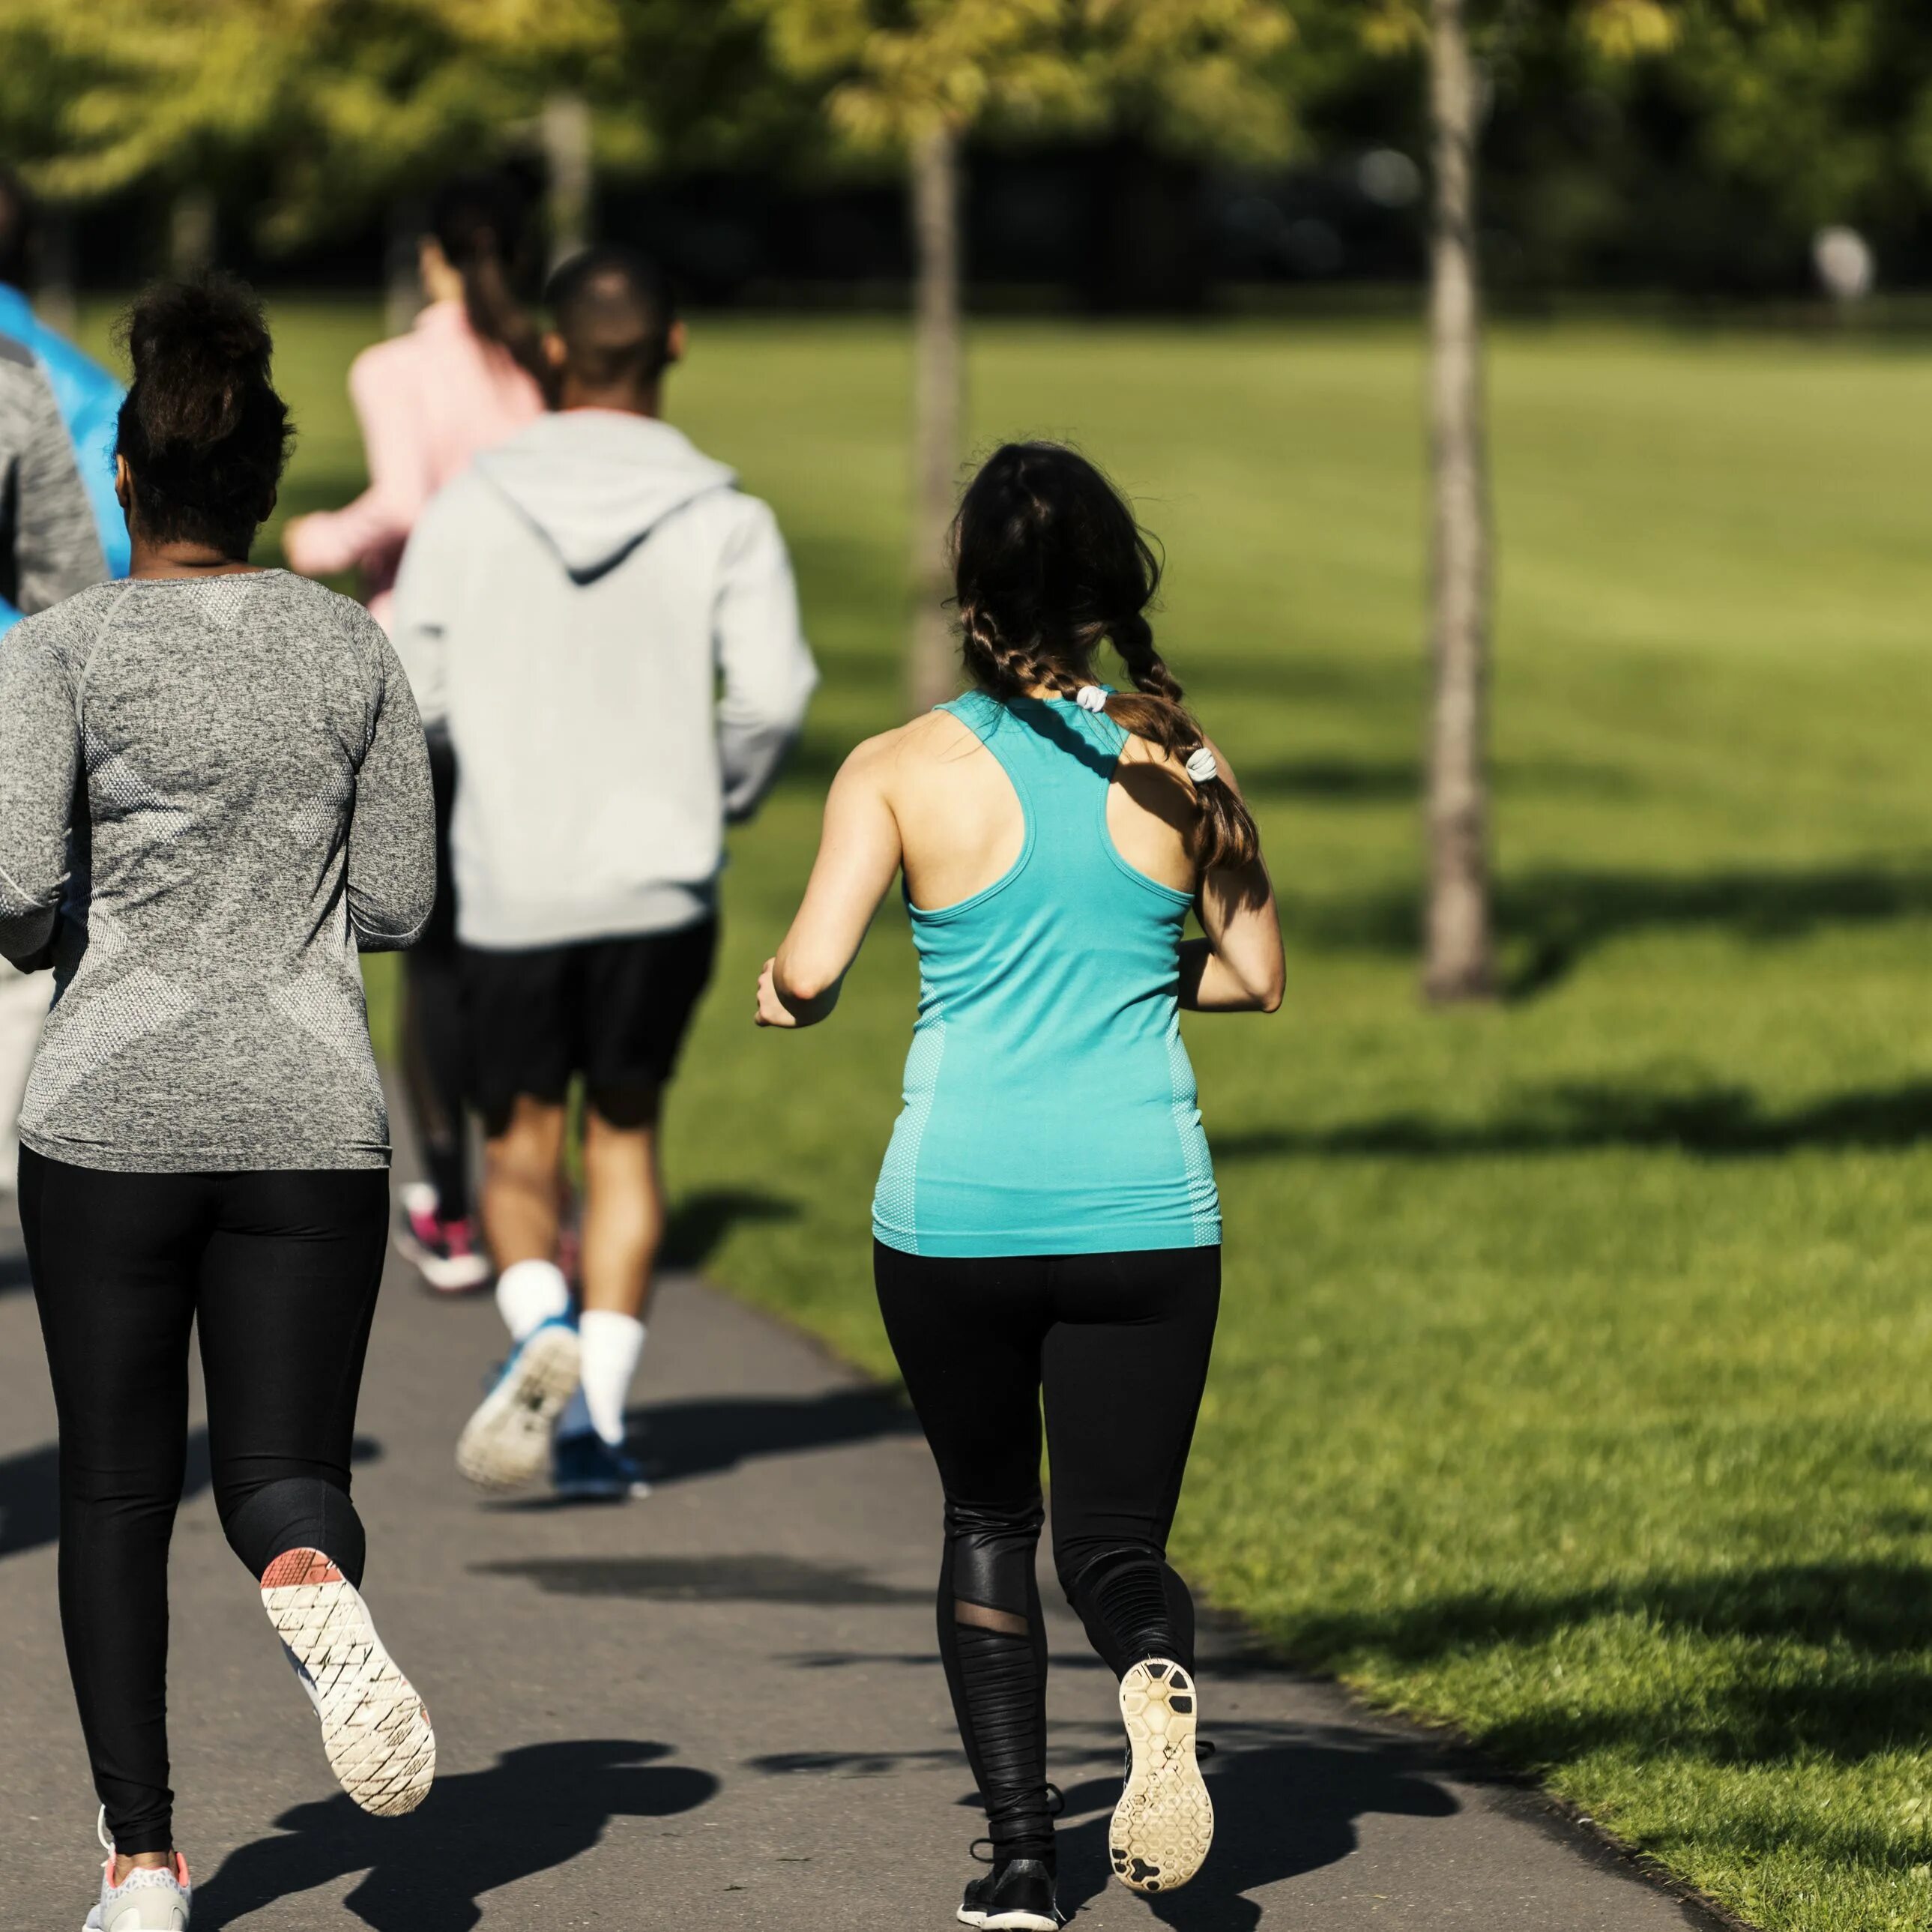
[[1550, 920], [1335, 780], [534, 1809], [1717, 1122], [1832, 1659]]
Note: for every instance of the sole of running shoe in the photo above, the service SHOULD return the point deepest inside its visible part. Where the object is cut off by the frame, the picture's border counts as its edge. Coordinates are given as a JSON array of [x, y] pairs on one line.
[[506, 1443], [374, 1728], [1008, 1921], [1165, 1821]]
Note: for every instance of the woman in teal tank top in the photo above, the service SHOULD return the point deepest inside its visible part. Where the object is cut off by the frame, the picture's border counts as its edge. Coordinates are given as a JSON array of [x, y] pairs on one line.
[[1047, 1233]]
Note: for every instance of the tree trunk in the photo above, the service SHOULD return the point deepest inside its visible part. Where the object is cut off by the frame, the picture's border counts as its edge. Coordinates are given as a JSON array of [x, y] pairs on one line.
[[54, 300], [191, 232], [402, 271], [568, 179], [1458, 960], [937, 411]]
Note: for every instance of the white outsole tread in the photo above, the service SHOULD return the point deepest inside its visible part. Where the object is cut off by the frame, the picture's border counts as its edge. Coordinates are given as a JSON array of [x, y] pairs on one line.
[[1164, 1822], [506, 1443], [374, 1727]]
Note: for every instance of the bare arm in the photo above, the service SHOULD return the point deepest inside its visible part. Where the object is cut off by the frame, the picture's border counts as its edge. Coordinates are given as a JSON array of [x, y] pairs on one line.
[[766, 664], [1238, 968], [859, 856]]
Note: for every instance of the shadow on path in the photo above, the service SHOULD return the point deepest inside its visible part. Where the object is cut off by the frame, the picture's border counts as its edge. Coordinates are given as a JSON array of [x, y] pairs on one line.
[[30, 1488], [704, 1580], [1286, 1802], [534, 1809], [706, 1434], [697, 1222]]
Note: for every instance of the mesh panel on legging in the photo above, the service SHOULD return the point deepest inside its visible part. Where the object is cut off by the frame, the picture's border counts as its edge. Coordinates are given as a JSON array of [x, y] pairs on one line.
[[998, 1676]]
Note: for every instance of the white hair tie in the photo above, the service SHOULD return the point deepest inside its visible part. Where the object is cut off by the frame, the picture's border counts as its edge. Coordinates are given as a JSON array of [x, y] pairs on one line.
[[1200, 765], [1091, 697]]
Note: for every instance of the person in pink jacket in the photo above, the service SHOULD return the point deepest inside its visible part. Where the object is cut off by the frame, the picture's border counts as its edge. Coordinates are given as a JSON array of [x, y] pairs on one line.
[[463, 379]]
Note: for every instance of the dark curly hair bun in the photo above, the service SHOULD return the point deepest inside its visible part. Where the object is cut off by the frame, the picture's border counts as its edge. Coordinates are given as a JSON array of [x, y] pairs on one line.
[[204, 433]]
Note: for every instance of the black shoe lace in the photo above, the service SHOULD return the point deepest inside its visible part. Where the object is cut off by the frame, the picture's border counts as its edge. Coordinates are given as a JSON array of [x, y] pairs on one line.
[[1056, 1803]]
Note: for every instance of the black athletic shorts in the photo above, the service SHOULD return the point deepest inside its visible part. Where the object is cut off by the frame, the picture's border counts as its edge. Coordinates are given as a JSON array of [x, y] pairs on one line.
[[613, 1010]]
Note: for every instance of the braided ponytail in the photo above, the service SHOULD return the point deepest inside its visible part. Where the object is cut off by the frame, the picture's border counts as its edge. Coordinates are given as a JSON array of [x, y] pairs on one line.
[[1049, 564]]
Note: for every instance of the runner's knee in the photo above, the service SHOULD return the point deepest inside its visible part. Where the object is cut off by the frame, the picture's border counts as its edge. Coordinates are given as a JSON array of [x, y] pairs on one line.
[[261, 1520]]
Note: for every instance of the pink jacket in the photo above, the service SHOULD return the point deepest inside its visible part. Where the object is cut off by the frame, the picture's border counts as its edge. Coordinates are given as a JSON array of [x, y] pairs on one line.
[[428, 402]]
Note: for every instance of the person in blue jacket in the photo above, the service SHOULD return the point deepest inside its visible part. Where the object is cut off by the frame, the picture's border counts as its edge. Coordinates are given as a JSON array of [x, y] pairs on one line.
[[89, 396]]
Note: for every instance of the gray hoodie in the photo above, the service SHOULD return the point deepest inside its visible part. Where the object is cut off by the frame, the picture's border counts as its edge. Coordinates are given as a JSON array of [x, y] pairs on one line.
[[608, 630]]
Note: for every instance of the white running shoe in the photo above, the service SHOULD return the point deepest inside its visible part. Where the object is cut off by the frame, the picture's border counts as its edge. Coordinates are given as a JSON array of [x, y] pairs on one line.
[[506, 1443], [374, 1728], [151, 1899], [1165, 1821], [447, 1253]]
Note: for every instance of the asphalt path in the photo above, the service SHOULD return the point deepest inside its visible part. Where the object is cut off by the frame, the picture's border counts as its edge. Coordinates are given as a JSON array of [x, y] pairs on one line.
[[718, 1707]]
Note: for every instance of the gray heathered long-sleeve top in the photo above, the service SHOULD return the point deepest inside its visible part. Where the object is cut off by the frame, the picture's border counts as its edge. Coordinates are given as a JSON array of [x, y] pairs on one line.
[[212, 792], [50, 546]]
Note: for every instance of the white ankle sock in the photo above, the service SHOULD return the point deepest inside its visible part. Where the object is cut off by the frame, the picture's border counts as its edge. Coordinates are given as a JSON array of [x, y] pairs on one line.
[[529, 1293], [613, 1344]]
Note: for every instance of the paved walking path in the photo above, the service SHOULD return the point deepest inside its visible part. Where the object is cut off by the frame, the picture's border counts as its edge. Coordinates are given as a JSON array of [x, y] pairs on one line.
[[720, 1707]]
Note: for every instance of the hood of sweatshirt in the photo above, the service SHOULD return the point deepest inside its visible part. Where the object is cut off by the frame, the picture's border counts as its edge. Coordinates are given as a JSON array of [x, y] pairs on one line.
[[595, 483]]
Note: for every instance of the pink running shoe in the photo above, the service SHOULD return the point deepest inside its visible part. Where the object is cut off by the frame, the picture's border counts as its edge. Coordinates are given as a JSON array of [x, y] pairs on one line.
[[445, 1253], [149, 1899]]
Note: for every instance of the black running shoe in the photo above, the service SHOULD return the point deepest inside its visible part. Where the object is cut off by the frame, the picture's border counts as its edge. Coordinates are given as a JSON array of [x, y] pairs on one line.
[[1016, 1897]]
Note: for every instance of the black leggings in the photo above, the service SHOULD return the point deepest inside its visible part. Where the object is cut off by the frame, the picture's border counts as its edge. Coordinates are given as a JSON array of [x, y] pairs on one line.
[[280, 1270], [435, 1047], [1118, 1344]]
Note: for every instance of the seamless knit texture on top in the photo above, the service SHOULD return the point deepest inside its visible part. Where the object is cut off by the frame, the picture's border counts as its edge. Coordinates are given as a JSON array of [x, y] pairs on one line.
[[1050, 1105], [569, 610], [213, 792]]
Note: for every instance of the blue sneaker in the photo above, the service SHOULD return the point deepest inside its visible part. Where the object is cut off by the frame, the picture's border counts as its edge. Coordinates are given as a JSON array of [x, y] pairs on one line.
[[586, 1468], [506, 1443]]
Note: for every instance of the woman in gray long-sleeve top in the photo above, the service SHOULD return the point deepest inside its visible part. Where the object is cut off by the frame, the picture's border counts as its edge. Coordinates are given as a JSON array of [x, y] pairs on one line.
[[214, 793]]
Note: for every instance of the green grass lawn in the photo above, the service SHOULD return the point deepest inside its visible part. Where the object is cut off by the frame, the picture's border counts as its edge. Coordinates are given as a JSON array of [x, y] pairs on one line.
[[1575, 1380]]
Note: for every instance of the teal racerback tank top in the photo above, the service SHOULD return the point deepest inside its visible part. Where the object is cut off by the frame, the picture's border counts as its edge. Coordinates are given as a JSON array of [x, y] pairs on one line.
[[1050, 1107]]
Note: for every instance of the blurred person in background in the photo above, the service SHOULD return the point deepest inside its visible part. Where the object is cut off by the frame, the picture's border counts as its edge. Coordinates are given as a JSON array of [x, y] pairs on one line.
[[567, 609], [87, 396], [1046, 1221], [464, 378], [47, 558], [204, 1146]]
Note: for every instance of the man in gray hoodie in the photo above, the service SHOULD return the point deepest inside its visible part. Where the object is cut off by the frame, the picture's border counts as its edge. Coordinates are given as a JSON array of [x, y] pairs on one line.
[[608, 630]]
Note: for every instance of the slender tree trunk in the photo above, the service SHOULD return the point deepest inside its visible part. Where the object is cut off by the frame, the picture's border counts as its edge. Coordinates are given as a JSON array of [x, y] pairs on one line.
[[191, 232], [1459, 962], [569, 182], [402, 273], [939, 378], [54, 297]]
